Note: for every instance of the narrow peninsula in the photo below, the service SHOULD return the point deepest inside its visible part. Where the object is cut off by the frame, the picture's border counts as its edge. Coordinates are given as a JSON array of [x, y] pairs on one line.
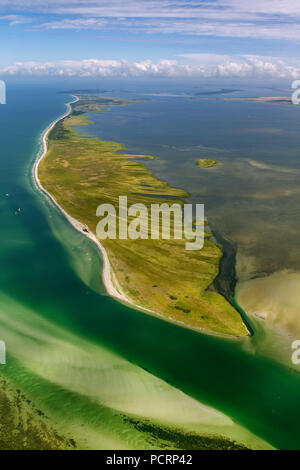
[[80, 172]]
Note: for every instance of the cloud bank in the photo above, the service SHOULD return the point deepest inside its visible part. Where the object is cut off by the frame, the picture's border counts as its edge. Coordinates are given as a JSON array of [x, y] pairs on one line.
[[246, 67]]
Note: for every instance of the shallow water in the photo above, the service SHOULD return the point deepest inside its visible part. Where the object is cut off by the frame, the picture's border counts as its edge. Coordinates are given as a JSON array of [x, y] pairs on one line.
[[62, 331], [252, 197]]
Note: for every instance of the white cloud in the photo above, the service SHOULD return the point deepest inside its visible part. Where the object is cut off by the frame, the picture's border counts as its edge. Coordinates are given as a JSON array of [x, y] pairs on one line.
[[221, 9], [246, 67]]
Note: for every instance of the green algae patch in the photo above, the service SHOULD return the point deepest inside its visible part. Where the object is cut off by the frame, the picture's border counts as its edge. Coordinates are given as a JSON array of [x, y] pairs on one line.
[[206, 163], [82, 173], [59, 390]]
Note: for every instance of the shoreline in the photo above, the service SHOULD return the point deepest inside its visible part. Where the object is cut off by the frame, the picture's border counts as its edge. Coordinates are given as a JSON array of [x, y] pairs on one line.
[[107, 273]]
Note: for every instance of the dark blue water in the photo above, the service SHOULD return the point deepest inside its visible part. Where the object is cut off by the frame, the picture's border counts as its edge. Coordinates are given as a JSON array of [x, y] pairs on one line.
[[256, 183]]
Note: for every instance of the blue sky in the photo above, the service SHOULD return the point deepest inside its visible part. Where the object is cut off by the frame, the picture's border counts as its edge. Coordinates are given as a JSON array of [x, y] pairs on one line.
[[189, 38]]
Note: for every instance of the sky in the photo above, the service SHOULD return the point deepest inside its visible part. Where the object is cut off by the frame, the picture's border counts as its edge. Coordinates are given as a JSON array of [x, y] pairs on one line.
[[151, 38]]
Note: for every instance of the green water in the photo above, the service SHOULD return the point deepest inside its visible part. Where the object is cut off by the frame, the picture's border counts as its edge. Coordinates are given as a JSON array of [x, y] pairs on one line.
[[68, 343]]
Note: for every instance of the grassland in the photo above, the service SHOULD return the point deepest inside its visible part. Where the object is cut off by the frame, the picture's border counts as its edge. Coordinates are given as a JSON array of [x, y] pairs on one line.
[[206, 163], [82, 172]]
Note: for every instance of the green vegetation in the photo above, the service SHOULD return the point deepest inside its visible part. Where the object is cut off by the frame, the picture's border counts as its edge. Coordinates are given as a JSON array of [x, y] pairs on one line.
[[59, 131], [160, 275], [206, 162]]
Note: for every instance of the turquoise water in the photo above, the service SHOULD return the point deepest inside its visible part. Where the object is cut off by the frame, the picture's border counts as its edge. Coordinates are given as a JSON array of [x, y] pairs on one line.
[[51, 271]]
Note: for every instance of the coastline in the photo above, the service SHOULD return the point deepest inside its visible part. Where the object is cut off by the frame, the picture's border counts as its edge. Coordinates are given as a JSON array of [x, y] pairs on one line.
[[110, 282], [106, 272]]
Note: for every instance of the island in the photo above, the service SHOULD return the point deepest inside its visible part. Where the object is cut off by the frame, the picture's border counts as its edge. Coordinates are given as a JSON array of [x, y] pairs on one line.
[[206, 162], [159, 277]]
